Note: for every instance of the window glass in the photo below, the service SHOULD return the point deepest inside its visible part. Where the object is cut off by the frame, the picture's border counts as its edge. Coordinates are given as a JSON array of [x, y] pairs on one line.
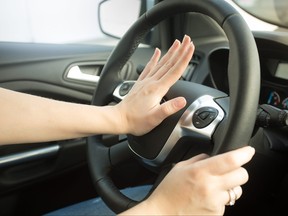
[[50, 21], [254, 23], [67, 21]]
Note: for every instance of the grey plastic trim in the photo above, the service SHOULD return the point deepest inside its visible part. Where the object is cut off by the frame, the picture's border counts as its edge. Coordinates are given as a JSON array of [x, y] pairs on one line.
[[116, 93]]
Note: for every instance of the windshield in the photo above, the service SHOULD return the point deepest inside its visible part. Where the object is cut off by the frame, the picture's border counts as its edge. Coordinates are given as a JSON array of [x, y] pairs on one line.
[[271, 11], [66, 21], [49, 21], [254, 23]]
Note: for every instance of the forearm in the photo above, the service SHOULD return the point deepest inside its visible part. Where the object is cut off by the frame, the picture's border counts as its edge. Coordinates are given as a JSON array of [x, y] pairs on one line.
[[26, 118], [39, 119]]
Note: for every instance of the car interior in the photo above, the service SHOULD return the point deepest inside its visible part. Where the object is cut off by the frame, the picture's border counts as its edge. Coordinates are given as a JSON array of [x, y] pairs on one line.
[[234, 71]]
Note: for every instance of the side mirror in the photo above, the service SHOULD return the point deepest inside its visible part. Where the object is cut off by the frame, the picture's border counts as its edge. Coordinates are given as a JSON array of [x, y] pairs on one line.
[[116, 16]]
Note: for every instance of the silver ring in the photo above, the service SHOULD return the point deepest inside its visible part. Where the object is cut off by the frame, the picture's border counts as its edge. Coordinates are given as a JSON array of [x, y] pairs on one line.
[[232, 196]]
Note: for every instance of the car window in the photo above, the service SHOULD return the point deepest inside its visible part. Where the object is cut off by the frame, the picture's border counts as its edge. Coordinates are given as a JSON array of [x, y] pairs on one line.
[[66, 21], [51, 21]]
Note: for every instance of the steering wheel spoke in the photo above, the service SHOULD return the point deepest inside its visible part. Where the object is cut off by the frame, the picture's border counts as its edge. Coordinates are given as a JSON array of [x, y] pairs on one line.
[[122, 90], [198, 122]]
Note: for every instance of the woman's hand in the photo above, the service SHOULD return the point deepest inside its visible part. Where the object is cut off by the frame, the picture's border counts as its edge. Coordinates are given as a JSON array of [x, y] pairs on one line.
[[41, 119], [141, 110], [199, 186]]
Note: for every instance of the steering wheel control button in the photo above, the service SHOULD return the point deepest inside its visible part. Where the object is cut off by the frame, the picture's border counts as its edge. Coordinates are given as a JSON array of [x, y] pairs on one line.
[[204, 116], [125, 88]]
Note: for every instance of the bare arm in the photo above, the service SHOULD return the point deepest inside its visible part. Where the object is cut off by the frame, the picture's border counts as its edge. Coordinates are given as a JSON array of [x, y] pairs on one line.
[[26, 118]]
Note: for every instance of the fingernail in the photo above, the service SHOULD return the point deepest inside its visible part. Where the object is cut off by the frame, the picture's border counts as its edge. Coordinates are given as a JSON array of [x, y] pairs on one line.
[[157, 50], [192, 45], [185, 37], [180, 102], [176, 42], [250, 149]]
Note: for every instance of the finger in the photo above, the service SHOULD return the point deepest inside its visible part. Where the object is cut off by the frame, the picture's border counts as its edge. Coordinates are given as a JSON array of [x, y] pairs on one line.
[[226, 162], [238, 191], [179, 57], [175, 46], [234, 194], [236, 177], [195, 159], [170, 107], [151, 64], [178, 68]]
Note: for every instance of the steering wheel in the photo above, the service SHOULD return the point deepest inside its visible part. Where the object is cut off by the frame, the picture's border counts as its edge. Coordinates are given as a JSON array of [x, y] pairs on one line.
[[229, 120]]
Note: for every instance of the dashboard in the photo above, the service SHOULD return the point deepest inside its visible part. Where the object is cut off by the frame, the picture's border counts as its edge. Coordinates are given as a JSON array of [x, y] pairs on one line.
[[274, 70], [274, 90], [273, 55], [274, 96]]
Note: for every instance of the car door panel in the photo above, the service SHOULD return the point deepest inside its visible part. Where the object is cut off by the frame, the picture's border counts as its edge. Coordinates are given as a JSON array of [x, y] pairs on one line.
[[45, 70], [40, 69]]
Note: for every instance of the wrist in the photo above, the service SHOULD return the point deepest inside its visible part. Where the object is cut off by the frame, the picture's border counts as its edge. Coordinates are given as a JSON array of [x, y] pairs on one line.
[[120, 119]]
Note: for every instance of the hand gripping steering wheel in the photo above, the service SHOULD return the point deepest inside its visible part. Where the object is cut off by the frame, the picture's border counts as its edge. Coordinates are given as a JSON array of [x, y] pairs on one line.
[[210, 116]]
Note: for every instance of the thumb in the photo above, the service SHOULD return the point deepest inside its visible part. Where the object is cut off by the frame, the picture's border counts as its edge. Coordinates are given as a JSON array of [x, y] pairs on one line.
[[172, 106]]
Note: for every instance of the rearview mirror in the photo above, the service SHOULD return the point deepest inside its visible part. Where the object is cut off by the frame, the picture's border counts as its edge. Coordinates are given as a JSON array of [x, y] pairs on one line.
[[116, 16]]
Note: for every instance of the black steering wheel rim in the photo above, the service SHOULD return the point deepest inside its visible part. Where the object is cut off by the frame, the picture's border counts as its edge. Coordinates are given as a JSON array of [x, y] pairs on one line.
[[244, 86]]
